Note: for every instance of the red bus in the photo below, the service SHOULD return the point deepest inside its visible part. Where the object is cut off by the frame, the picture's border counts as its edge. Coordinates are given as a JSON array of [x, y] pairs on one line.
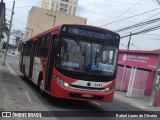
[[73, 62]]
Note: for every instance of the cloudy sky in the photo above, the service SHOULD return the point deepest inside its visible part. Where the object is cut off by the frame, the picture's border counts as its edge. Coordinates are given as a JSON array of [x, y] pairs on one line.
[[102, 13]]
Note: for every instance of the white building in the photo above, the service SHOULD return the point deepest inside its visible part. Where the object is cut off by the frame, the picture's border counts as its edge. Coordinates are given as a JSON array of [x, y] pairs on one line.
[[65, 6]]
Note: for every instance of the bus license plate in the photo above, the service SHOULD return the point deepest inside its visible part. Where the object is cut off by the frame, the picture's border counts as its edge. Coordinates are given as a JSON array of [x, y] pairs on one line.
[[87, 96]]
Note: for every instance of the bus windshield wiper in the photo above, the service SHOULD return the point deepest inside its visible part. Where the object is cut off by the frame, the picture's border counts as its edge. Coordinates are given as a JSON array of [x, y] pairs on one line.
[[81, 47]]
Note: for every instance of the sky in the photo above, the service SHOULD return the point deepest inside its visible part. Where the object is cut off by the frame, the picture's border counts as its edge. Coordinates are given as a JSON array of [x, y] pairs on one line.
[[102, 12]]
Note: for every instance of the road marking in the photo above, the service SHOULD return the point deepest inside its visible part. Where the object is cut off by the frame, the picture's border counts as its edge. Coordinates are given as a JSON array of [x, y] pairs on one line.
[[138, 105], [28, 97], [12, 71], [96, 103]]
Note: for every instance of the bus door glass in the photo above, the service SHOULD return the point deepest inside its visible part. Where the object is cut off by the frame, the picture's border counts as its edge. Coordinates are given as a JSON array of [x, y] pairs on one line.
[[32, 52], [51, 60]]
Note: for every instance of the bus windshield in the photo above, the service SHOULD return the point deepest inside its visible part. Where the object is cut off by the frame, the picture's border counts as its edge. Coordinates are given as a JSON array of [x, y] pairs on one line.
[[82, 56]]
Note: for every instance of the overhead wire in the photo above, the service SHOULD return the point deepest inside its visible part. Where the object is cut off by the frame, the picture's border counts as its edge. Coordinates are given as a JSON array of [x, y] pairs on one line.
[[131, 17], [153, 28], [139, 24], [126, 11], [143, 21]]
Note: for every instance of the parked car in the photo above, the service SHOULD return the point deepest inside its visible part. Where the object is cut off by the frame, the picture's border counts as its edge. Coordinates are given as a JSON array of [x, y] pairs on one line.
[[12, 51]]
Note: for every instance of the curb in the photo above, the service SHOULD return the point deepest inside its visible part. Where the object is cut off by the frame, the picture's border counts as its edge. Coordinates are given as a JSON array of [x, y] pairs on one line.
[[137, 104]]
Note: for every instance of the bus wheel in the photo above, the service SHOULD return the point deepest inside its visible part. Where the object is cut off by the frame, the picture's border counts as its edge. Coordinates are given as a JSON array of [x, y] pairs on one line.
[[41, 87]]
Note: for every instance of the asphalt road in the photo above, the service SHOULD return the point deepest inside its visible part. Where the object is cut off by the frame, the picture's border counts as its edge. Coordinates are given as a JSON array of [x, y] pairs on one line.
[[47, 103]]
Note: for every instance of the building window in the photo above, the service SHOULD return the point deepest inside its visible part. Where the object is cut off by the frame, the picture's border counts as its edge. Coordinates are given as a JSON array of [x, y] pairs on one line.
[[63, 10], [65, 0], [70, 8], [64, 6], [52, 4], [74, 10]]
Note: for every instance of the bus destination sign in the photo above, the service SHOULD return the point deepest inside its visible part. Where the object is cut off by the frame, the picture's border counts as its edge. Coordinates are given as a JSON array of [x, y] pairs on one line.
[[90, 32]]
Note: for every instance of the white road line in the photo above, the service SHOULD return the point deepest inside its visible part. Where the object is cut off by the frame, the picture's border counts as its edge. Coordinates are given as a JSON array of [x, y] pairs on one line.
[[140, 106], [96, 103], [12, 71], [28, 97], [9, 69]]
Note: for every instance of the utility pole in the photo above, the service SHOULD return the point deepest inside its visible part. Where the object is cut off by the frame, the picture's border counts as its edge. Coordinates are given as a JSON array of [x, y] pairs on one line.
[[54, 18], [129, 41], [156, 82], [8, 37], [155, 86]]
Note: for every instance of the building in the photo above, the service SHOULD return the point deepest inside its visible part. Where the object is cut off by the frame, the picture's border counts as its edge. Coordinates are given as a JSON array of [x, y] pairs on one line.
[[2, 13], [65, 6], [136, 72], [40, 19]]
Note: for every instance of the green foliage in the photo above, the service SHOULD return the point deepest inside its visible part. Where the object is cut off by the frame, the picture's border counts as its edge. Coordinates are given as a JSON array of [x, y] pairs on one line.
[[3, 45], [4, 30]]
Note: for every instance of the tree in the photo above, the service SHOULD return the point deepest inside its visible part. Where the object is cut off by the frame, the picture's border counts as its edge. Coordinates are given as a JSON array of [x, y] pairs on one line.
[[3, 45], [4, 30]]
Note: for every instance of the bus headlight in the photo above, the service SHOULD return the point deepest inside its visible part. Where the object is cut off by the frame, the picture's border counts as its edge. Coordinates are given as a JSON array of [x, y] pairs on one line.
[[65, 84], [62, 82], [109, 88]]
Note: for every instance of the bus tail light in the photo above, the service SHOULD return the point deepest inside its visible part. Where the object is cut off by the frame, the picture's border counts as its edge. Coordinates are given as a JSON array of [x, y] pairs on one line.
[[61, 82]]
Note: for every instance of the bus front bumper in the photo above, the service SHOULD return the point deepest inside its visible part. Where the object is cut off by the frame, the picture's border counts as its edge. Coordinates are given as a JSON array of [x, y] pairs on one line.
[[57, 90]]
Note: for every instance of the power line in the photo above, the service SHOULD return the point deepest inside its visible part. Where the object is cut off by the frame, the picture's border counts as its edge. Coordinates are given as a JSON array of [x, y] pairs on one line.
[[143, 21], [154, 2], [139, 24], [126, 11], [131, 17], [153, 28], [158, 2]]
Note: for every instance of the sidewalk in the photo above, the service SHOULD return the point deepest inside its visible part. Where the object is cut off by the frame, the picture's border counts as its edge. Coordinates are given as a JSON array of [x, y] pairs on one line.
[[141, 103], [12, 96]]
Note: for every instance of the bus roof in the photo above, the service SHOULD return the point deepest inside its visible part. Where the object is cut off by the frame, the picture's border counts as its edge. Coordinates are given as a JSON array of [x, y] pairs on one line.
[[59, 28]]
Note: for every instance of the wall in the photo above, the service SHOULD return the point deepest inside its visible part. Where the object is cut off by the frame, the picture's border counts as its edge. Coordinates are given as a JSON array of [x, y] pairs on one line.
[[144, 60], [40, 19], [149, 83]]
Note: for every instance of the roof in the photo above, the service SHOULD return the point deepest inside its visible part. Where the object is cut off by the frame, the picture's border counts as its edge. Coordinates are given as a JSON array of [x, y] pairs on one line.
[[141, 51], [59, 26]]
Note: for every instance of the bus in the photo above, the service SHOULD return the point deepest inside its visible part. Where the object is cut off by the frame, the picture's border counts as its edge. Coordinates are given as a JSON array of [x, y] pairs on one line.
[[71, 61]]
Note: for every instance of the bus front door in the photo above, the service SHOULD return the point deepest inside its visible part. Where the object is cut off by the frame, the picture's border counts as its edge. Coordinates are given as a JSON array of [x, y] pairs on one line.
[[31, 59], [51, 61]]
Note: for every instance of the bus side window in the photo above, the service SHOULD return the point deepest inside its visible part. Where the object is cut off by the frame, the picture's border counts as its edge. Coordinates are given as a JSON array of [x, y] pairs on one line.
[[30, 48], [44, 45], [48, 40], [27, 48], [37, 51]]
